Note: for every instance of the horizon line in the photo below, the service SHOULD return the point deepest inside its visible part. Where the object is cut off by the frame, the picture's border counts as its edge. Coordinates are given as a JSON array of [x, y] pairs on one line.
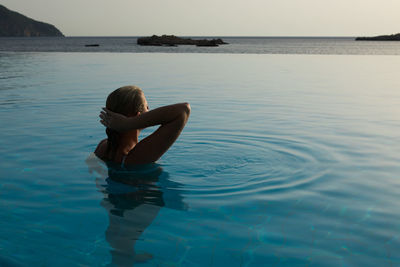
[[228, 36]]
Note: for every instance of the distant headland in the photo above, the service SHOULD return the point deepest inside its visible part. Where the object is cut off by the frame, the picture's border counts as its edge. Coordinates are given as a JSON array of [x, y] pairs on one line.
[[13, 24], [392, 37], [172, 40]]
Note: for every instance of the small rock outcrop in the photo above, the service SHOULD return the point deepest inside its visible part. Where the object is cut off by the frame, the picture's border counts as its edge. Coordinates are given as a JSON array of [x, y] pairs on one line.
[[172, 40], [392, 37], [13, 24]]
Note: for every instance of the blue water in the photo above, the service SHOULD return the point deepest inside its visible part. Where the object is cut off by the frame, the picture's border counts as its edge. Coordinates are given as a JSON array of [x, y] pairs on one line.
[[287, 160]]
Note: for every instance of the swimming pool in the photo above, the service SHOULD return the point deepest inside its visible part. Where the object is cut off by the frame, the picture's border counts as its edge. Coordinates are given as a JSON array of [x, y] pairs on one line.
[[287, 160]]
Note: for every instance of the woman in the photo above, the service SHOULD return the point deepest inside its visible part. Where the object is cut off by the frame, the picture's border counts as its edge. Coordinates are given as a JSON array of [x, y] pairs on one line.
[[126, 113]]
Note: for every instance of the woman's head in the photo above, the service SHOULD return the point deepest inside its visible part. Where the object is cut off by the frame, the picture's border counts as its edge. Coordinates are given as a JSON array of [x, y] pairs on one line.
[[127, 100]]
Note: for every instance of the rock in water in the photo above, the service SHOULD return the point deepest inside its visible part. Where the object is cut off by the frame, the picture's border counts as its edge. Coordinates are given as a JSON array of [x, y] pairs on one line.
[[13, 24], [172, 40], [392, 37]]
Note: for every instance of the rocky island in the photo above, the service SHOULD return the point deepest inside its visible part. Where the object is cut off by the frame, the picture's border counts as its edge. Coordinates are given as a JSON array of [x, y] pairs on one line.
[[392, 37], [172, 40], [13, 24]]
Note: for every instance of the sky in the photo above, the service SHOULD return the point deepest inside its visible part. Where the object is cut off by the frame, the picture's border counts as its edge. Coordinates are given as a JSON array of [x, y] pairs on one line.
[[215, 17]]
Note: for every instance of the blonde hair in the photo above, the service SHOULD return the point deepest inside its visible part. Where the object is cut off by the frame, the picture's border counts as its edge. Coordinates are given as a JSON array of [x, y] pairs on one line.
[[126, 100]]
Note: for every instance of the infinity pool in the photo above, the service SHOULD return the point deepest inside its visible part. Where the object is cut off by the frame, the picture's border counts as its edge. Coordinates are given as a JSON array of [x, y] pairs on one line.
[[287, 160]]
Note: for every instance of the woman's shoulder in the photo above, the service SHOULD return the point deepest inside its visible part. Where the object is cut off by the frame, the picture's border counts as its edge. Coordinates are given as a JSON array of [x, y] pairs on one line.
[[101, 149]]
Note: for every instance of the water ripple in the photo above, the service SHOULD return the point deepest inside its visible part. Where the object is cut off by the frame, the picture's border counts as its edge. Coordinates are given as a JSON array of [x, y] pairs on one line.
[[251, 165]]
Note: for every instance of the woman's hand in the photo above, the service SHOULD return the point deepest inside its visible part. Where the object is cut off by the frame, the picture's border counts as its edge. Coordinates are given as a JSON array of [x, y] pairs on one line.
[[171, 118], [115, 121]]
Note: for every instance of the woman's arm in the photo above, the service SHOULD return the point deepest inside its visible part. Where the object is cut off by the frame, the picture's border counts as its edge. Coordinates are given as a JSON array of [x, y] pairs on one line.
[[161, 115], [172, 119]]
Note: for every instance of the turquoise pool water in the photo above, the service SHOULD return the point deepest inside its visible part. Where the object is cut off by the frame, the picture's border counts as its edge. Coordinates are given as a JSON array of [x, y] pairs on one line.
[[287, 160]]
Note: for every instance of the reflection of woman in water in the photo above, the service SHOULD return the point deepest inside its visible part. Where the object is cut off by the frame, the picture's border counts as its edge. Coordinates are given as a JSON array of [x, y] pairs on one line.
[[132, 198], [126, 113], [131, 209]]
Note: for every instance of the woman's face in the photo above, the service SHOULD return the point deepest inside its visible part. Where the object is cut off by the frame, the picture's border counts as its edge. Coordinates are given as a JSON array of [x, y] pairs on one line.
[[146, 105], [145, 109]]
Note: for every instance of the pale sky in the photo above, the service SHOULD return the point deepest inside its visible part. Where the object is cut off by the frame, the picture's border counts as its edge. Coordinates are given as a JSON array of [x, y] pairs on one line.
[[215, 17]]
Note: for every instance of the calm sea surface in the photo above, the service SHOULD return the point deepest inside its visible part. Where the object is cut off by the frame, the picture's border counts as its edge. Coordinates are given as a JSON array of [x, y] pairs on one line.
[[237, 45], [287, 160]]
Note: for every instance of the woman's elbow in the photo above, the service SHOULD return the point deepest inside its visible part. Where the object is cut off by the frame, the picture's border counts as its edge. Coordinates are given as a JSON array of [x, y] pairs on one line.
[[185, 112], [186, 108]]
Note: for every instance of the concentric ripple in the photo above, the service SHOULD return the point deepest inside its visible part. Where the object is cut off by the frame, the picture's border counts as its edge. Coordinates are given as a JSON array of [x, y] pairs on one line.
[[233, 164]]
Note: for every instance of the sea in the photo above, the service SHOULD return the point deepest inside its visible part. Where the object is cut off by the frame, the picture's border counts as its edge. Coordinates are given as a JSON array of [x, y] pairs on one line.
[[237, 45], [290, 156]]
